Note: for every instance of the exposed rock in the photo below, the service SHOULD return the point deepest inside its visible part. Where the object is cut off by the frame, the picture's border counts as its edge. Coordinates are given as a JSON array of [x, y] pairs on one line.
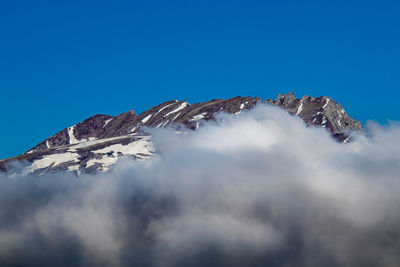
[[319, 111]]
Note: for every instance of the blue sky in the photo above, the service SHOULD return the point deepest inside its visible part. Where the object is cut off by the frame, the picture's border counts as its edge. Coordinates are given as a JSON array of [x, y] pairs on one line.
[[63, 61]]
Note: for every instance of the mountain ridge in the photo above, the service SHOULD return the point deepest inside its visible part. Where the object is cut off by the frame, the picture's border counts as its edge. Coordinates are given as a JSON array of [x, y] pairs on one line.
[[99, 141]]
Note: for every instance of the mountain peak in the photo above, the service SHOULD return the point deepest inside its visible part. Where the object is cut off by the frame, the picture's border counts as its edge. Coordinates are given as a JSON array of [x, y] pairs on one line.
[[322, 111], [97, 142]]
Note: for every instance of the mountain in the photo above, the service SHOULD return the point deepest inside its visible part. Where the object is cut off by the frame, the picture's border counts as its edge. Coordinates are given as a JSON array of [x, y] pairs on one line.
[[96, 143]]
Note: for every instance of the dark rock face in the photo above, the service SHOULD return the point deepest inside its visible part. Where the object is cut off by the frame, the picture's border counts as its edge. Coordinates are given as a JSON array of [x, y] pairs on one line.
[[92, 127], [97, 142], [319, 111]]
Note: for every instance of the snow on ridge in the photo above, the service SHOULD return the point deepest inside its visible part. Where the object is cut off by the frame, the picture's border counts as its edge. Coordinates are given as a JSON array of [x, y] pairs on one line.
[[53, 159], [161, 109], [300, 108], [105, 162], [147, 118], [181, 106], [141, 149], [198, 117], [72, 138], [177, 115], [107, 121], [162, 124], [241, 106], [74, 147], [326, 103]]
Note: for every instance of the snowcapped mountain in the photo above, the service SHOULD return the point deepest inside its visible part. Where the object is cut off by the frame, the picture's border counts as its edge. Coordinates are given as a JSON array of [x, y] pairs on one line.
[[99, 141]]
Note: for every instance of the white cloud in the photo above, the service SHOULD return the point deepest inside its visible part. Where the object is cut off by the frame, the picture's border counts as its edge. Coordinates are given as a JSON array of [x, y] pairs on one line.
[[260, 188]]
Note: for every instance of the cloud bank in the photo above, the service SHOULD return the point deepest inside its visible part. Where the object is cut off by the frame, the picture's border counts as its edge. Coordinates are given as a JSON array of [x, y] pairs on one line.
[[258, 189]]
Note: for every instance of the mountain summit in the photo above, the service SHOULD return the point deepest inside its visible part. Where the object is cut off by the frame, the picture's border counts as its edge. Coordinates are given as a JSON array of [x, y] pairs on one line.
[[98, 142]]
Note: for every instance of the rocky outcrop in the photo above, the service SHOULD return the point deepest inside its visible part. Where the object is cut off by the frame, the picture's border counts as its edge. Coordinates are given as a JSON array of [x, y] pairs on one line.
[[320, 111]]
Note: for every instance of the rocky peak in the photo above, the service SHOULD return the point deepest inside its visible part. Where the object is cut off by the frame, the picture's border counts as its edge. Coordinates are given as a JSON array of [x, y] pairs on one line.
[[97, 142], [321, 111]]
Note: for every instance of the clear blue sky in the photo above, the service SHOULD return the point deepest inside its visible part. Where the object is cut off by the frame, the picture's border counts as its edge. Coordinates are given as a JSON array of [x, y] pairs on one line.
[[63, 61]]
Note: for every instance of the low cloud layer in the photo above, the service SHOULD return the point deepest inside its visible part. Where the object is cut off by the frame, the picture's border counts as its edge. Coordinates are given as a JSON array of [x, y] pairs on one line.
[[259, 189]]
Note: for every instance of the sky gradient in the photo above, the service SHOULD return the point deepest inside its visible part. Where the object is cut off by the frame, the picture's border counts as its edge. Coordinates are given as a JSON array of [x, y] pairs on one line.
[[63, 61]]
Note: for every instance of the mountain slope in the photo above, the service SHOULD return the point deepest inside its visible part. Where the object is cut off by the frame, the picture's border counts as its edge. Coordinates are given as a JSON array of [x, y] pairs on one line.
[[99, 141]]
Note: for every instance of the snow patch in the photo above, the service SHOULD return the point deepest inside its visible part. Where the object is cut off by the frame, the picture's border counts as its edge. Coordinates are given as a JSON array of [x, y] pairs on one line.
[[181, 106], [147, 118], [300, 108], [107, 121], [326, 103], [165, 123], [74, 148], [161, 109], [141, 149], [72, 139], [241, 106], [143, 146], [177, 115], [53, 159], [105, 162], [198, 117]]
